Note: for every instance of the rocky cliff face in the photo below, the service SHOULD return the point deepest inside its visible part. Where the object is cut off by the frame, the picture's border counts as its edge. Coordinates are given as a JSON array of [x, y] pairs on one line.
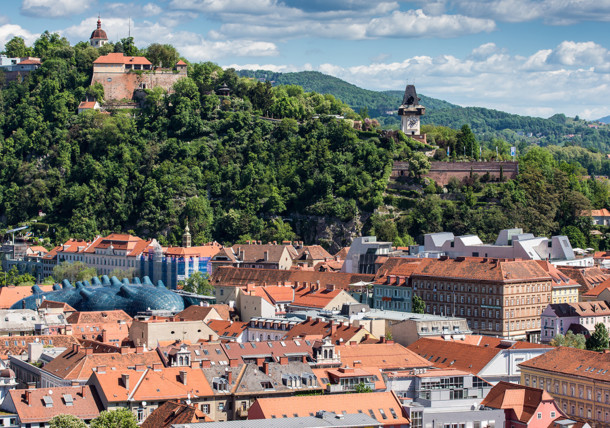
[[330, 232]]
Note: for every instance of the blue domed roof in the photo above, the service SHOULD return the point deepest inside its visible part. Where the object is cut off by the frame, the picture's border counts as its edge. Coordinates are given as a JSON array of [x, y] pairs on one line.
[[108, 294]]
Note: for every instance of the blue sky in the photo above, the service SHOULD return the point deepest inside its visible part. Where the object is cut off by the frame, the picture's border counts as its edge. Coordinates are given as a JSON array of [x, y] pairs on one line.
[[531, 57]]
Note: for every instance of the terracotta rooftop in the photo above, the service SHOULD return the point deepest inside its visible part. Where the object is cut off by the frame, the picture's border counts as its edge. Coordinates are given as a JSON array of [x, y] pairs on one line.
[[228, 329], [171, 412], [461, 356], [315, 328], [225, 275], [573, 362], [523, 400], [313, 252], [40, 405], [18, 345], [87, 105], [317, 299], [99, 317], [386, 356], [399, 265], [559, 278], [78, 364], [12, 294], [201, 351], [198, 313], [483, 269], [587, 277], [50, 304], [385, 407], [493, 342], [596, 291], [120, 58], [201, 251], [581, 309], [151, 384]]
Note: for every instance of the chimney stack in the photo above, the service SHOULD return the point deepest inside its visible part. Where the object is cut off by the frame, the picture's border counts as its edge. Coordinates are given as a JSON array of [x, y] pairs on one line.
[[28, 393], [206, 364], [266, 256], [88, 351], [83, 391], [183, 377], [125, 379], [266, 367], [229, 375]]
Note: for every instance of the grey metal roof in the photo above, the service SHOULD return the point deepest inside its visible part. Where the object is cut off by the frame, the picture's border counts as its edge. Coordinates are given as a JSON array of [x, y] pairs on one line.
[[323, 419]]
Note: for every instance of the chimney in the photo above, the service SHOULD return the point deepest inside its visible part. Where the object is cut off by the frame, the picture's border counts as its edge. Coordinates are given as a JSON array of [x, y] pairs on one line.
[[283, 360], [333, 328], [139, 349], [31, 385], [242, 254], [124, 349], [266, 256], [74, 383], [260, 361], [229, 375], [101, 369], [183, 377], [104, 336], [357, 364], [88, 351], [206, 364], [266, 367], [330, 287], [140, 367], [195, 364], [83, 391], [233, 362], [304, 358], [75, 348], [28, 393], [125, 380], [157, 367]]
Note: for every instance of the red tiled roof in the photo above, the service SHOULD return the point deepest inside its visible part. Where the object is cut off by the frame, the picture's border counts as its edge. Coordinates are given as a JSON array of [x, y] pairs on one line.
[[596, 291], [171, 413], [201, 251], [9, 347], [99, 317], [523, 400], [275, 348], [483, 269], [318, 299], [180, 62], [228, 329], [314, 252], [163, 383], [12, 294], [369, 403], [493, 342], [38, 249], [30, 61], [461, 356], [315, 328], [559, 278], [581, 309], [386, 356], [573, 362], [78, 365], [30, 403], [199, 313], [56, 305], [120, 58], [226, 275], [587, 277], [87, 105]]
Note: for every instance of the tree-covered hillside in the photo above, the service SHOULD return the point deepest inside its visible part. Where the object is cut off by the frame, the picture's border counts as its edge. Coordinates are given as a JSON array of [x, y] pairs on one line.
[[485, 123], [236, 174]]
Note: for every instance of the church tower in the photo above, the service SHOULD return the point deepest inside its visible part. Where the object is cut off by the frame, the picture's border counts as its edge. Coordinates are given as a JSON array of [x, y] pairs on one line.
[[411, 111], [186, 237], [98, 37]]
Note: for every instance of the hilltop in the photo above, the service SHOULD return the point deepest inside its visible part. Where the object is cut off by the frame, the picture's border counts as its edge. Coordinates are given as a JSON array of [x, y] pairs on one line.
[[485, 123]]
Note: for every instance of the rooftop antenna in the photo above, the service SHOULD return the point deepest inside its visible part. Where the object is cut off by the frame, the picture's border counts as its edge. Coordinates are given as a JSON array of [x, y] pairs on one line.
[[129, 23]]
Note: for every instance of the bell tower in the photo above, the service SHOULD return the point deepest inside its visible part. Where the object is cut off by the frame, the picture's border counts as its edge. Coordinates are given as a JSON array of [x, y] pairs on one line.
[[186, 236], [410, 112], [98, 37]]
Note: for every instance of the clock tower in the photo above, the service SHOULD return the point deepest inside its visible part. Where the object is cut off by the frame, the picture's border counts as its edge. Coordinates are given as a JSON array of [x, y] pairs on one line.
[[411, 110]]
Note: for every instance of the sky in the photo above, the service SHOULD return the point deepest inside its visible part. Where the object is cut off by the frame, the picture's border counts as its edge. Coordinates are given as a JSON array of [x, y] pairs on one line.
[[529, 57]]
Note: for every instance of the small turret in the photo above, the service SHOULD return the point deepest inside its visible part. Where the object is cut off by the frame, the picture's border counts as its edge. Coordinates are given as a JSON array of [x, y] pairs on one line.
[[186, 237]]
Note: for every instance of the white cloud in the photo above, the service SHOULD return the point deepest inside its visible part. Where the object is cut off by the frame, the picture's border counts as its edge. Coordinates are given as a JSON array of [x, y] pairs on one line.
[[415, 23], [212, 50], [8, 31], [574, 53], [556, 12], [489, 77], [151, 9], [54, 8]]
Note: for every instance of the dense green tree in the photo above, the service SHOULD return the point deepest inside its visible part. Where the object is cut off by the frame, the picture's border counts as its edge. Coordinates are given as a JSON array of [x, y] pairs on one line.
[[419, 306], [119, 418], [362, 387], [77, 271], [162, 55], [66, 421], [599, 339], [16, 48], [570, 340], [198, 283]]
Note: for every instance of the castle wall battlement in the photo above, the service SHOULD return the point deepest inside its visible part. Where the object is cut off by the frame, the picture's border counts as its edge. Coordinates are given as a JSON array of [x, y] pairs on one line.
[[442, 172]]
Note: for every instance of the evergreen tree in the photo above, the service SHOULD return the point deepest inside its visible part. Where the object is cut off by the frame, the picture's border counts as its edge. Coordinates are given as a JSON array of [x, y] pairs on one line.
[[599, 339]]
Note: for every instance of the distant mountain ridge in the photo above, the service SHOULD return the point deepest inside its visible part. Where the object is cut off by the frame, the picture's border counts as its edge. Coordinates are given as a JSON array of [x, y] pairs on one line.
[[605, 119], [486, 123]]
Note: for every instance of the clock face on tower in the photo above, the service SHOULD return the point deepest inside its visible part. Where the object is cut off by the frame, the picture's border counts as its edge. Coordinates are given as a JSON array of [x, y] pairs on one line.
[[411, 122]]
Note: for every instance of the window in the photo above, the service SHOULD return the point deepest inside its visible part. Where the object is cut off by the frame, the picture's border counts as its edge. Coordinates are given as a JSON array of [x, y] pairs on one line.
[[205, 408], [140, 415], [221, 407]]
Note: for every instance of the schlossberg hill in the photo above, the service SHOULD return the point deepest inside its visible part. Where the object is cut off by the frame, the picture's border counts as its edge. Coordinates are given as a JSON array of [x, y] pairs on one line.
[[485, 123], [266, 163]]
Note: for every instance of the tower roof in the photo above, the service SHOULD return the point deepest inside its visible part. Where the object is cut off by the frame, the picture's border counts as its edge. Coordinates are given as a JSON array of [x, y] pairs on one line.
[[98, 33], [410, 98]]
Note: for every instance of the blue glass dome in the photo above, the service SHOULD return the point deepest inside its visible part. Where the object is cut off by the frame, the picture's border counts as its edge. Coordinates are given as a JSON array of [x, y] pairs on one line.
[[108, 294]]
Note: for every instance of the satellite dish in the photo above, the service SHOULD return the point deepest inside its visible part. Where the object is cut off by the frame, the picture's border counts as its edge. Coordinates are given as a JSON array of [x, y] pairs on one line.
[[50, 392]]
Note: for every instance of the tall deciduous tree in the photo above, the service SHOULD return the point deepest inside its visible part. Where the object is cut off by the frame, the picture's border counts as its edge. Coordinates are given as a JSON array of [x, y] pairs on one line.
[[77, 271], [16, 48], [419, 306], [198, 283], [599, 339], [119, 418], [66, 421]]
